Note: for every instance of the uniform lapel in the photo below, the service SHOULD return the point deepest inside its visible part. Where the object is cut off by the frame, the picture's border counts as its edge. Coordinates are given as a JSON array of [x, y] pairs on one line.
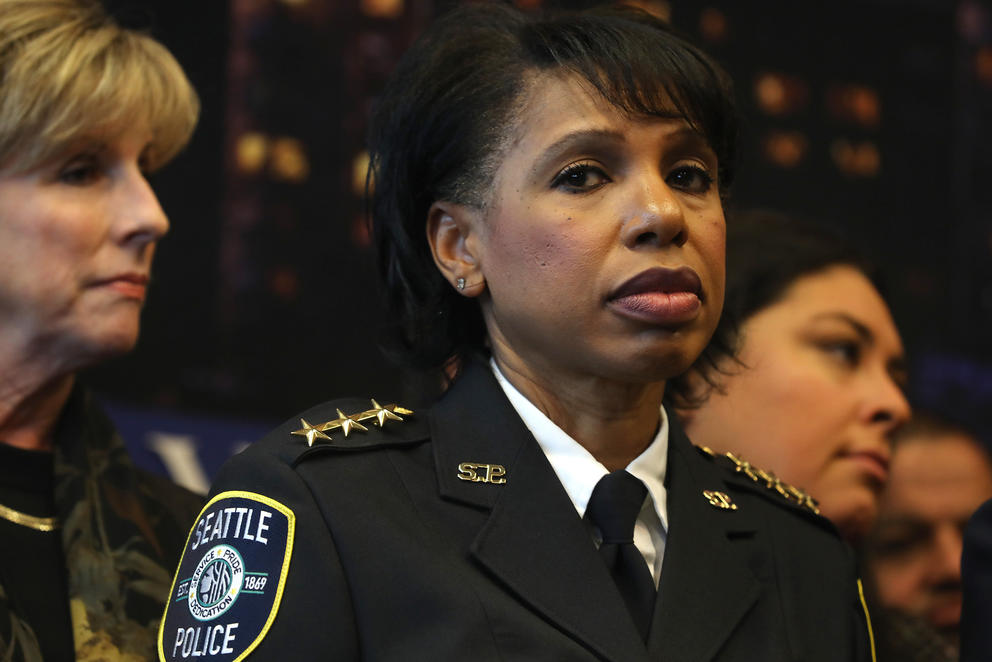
[[533, 541], [706, 586]]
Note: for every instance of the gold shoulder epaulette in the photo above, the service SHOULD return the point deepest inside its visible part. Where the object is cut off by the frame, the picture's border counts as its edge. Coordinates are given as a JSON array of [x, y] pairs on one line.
[[349, 423], [769, 480]]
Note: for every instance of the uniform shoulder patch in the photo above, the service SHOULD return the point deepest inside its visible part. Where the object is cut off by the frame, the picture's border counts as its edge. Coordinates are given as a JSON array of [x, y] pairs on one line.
[[230, 580], [765, 479]]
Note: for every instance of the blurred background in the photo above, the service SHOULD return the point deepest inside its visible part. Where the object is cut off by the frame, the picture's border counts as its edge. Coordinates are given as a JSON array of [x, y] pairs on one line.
[[873, 115]]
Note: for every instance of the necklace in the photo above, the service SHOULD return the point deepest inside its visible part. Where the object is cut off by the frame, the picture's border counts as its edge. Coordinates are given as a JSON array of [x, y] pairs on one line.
[[30, 521]]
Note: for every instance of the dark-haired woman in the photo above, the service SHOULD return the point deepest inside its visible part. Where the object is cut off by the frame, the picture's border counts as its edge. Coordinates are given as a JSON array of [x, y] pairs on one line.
[[548, 215], [814, 392]]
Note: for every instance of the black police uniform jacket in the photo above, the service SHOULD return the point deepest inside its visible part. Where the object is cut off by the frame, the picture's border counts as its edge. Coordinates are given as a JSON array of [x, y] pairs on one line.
[[396, 558]]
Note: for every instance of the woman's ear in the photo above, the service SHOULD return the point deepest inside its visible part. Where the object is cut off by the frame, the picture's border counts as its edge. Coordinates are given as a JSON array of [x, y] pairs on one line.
[[453, 232]]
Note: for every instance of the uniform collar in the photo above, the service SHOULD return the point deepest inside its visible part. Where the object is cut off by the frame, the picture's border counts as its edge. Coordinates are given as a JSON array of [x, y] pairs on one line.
[[575, 467], [534, 543]]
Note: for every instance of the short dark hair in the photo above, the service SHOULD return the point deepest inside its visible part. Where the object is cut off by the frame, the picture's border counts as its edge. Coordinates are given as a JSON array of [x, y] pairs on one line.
[[440, 129], [767, 252]]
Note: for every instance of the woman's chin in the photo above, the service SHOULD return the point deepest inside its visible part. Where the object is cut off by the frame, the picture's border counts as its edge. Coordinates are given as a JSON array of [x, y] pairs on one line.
[[100, 345], [651, 359], [645, 369], [854, 516]]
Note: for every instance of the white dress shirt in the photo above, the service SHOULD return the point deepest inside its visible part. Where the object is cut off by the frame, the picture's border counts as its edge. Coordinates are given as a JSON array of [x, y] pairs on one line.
[[579, 472]]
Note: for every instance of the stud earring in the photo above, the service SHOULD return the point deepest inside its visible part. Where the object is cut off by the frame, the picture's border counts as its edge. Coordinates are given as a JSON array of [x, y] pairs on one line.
[[460, 284]]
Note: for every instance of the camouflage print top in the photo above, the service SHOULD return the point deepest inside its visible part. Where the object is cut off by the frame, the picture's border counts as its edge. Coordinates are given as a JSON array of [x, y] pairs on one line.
[[123, 530]]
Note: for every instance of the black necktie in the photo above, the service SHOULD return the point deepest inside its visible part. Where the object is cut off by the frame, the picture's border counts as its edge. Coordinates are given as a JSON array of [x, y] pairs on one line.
[[613, 507]]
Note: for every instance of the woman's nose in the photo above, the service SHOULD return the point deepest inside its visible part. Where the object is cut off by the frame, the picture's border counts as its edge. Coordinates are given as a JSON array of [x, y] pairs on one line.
[[654, 216], [890, 406], [141, 218]]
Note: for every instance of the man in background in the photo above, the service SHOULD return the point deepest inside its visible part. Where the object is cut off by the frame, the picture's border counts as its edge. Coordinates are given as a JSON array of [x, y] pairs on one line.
[[939, 475]]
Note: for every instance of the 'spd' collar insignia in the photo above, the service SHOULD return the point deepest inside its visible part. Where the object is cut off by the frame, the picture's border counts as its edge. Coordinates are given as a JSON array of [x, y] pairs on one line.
[[719, 500], [230, 580], [474, 472]]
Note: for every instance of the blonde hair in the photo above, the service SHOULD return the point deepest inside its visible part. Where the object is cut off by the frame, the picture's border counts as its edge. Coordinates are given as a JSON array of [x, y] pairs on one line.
[[68, 72]]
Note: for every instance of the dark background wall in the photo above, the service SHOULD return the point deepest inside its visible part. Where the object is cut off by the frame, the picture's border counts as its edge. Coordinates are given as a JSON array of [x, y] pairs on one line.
[[870, 114]]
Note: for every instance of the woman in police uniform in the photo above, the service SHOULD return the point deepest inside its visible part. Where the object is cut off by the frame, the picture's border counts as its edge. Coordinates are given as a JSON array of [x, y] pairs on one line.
[[548, 214]]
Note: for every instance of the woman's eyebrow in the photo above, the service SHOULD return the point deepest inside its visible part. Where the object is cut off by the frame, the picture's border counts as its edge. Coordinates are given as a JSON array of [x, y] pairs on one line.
[[585, 138], [897, 366], [87, 145], [860, 328], [575, 139]]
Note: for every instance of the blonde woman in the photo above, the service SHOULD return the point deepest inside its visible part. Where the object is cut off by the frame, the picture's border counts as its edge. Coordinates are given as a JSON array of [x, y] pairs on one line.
[[87, 541]]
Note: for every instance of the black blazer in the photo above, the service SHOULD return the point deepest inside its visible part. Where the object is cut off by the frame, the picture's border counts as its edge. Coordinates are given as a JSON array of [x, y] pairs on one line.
[[396, 558], [976, 578]]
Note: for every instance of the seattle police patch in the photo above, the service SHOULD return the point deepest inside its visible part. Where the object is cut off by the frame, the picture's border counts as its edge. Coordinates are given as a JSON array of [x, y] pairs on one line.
[[230, 580]]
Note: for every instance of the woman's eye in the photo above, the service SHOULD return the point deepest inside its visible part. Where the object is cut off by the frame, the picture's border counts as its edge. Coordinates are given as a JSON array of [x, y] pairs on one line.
[[80, 172], [690, 178], [580, 177], [846, 351]]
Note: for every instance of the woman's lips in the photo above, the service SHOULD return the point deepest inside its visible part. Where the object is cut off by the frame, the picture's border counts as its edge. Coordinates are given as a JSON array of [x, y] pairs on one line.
[[659, 296], [874, 464], [131, 286]]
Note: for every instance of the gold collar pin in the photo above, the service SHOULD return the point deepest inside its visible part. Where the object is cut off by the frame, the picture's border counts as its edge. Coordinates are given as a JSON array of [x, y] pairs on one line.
[[474, 472], [719, 500]]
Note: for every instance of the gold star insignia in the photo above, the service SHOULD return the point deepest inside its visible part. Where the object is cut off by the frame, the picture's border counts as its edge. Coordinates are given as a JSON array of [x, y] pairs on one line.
[[346, 423], [310, 432], [382, 414]]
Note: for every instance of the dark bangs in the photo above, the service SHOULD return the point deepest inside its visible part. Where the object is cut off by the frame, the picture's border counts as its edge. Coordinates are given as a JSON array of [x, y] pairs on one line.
[[637, 63]]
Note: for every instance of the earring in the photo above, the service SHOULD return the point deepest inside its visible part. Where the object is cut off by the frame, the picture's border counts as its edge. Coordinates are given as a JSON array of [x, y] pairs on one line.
[[460, 284]]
